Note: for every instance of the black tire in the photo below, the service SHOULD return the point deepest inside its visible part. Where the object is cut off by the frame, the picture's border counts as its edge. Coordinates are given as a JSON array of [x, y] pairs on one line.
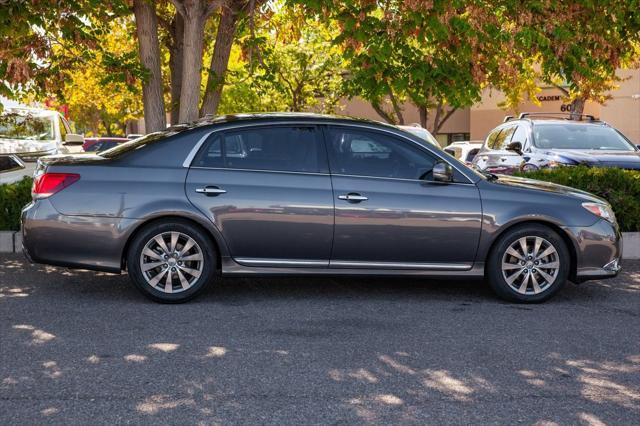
[[204, 248], [498, 278]]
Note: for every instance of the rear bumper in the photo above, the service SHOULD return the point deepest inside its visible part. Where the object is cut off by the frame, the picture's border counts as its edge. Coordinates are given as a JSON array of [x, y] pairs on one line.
[[599, 251], [84, 242]]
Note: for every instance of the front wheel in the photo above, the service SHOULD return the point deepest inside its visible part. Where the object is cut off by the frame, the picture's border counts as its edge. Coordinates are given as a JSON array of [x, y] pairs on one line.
[[528, 264], [171, 262]]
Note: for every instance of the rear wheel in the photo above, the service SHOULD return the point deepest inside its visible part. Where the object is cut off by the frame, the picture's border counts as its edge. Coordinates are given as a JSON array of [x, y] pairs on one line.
[[529, 264], [171, 262]]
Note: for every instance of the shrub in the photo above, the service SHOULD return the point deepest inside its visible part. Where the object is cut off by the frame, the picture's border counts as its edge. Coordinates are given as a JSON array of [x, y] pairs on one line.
[[13, 197], [621, 188]]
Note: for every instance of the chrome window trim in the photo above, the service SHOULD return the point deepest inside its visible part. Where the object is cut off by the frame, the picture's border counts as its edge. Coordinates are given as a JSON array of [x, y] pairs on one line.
[[189, 159], [434, 182], [399, 265], [229, 169]]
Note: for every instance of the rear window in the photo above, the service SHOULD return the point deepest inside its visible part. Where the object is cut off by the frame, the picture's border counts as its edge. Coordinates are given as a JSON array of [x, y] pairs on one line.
[[472, 154], [278, 148], [139, 143]]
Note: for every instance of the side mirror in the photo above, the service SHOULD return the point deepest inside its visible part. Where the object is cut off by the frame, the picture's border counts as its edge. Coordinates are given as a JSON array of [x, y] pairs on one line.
[[73, 139], [515, 147], [10, 163], [638, 146], [442, 172]]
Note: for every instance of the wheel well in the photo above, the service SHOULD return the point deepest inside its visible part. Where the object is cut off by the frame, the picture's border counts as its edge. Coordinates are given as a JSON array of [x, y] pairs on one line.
[[150, 222], [561, 232]]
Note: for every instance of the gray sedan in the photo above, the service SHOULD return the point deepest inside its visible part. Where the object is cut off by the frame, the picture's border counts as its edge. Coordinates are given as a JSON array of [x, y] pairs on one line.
[[281, 194]]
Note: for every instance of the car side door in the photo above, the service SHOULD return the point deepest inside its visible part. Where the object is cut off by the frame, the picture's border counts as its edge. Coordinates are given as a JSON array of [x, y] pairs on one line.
[[268, 190], [390, 213]]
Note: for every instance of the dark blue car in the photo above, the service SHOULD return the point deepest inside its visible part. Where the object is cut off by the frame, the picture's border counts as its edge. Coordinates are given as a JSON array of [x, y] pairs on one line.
[[536, 141]]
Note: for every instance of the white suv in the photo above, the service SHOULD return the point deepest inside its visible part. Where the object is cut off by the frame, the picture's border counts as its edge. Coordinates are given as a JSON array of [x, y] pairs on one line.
[[31, 133]]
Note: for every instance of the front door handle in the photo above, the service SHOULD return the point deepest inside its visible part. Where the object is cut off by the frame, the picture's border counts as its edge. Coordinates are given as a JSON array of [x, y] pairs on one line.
[[211, 191], [353, 197]]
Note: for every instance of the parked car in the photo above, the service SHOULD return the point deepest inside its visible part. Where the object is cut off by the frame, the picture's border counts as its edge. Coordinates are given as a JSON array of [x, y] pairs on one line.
[[421, 132], [535, 141], [98, 144], [464, 151], [306, 194], [31, 133]]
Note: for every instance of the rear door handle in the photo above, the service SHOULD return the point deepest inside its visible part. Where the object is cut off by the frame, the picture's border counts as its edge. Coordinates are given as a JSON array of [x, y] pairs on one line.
[[211, 191], [353, 197]]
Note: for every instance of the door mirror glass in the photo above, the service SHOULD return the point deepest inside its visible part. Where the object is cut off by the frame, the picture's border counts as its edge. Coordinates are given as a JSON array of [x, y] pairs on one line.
[[442, 172], [73, 139], [515, 147]]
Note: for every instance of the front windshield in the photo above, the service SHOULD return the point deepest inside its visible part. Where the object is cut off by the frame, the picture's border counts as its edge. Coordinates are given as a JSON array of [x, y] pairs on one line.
[[26, 127], [579, 136]]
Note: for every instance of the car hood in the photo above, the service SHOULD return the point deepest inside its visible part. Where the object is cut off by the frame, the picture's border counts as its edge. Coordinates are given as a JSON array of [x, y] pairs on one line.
[[539, 185], [625, 159], [24, 146]]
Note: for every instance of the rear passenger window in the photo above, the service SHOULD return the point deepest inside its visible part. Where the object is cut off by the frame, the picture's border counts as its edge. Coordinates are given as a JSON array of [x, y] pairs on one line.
[[501, 138], [293, 149], [491, 139]]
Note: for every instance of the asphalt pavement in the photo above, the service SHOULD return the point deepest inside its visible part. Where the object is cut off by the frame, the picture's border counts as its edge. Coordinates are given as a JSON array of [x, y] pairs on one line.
[[81, 347]]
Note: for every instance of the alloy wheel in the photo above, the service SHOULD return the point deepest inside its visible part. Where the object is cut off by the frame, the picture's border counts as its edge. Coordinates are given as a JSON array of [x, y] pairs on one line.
[[171, 262], [530, 265]]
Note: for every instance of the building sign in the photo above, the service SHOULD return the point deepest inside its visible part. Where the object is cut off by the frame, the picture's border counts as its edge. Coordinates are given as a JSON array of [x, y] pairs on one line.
[[549, 98], [555, 98]]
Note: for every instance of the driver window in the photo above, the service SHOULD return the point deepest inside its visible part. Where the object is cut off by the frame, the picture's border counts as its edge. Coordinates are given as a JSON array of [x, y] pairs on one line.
[[520, 135], [364, 153]]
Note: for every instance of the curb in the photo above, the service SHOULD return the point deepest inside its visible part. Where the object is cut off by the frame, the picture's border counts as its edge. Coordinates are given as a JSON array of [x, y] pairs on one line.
[[11, 242]]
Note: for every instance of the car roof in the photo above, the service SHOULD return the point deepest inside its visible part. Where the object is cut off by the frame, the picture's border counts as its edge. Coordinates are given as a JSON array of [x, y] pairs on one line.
[[274, 117], [38, 112]]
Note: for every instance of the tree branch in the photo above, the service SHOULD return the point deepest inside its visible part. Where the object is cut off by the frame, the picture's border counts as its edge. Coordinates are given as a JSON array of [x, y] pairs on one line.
[[396, 107], [179, 6]]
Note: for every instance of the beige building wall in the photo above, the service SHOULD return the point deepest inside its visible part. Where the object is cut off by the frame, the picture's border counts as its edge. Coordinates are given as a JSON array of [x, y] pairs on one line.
[[622, 111], [457, 123]]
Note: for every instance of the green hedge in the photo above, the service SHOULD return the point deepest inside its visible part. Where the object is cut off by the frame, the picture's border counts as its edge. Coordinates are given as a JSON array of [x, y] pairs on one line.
[[13, 197], [620, 187]]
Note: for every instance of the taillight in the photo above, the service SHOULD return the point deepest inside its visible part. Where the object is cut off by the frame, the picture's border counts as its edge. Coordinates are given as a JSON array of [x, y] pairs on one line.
[[48, 184]]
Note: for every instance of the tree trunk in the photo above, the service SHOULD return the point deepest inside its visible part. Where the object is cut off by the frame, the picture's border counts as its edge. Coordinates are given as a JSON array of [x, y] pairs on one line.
[[149, 50], [194, 21], [577, 108], [176, 50], [396, 108], [423, 116], [219, 60], [440, 119]]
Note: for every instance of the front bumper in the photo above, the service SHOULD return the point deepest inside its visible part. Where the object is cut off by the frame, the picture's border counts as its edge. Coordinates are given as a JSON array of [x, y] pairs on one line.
[[598, 250]]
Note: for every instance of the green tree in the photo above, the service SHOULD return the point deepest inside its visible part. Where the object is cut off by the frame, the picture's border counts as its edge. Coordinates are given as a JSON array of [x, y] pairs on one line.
[[437, 54], [576, 46], [41, 38]]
